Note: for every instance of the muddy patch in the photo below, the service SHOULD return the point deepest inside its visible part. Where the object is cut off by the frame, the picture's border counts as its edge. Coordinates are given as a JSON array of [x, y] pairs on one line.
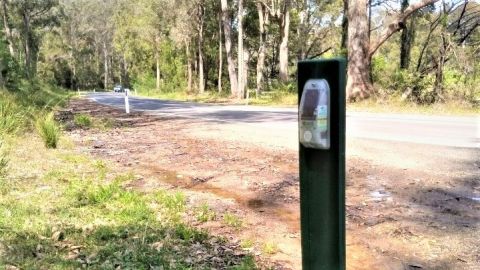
[[399, 216]]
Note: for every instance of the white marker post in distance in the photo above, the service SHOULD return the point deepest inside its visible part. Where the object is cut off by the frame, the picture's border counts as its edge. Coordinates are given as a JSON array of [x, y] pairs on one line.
[[127, 105]]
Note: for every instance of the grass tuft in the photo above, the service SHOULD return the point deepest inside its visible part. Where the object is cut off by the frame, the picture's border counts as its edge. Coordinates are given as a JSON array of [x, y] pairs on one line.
[[83, 120], [232, 220], [3, 161], [70, 215], [12, 116], [204, 213], [48, 130], [270, 248]]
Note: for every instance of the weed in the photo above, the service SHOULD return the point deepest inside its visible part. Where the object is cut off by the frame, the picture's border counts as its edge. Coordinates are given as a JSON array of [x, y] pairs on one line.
[[248, 263], [101, 168], [11, 115], [83, 120], [48, 130], [270, 248], [247, 243], [204, 213], [75, 158], [172, 206], [3, 161], [87, 193], [122, 178], [104, 123], [188, 233], [102, 225], [173, 202], [232, 220]]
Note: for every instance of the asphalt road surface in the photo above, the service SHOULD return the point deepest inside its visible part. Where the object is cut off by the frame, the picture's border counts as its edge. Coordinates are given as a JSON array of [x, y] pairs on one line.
[[281, 123]]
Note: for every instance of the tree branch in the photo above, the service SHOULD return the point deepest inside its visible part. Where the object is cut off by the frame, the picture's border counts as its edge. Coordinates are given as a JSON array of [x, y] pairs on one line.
[[321, 53], [396, 25]]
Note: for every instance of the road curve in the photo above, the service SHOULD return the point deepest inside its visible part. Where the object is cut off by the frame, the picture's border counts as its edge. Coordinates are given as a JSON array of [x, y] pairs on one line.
[[454, 131]]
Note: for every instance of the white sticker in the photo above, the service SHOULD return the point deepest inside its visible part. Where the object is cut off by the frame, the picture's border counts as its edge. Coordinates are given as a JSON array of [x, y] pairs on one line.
[[307, 135]]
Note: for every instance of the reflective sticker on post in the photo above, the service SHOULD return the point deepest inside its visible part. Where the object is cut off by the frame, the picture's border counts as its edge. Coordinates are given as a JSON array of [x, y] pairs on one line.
[[314, 115]]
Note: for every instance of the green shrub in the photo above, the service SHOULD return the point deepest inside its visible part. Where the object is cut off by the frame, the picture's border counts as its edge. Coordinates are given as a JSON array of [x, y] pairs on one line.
[[83, 120], [48, 130]]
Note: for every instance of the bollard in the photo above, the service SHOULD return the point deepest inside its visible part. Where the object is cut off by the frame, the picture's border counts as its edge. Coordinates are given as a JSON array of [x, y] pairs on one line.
[[127, 104], [321, 89]]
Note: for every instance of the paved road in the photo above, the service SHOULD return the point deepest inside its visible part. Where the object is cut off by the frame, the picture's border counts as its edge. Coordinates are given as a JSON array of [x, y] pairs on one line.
[[282, 122]]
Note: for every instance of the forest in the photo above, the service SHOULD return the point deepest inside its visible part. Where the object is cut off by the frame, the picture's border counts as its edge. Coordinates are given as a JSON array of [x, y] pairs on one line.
[[422, 52]]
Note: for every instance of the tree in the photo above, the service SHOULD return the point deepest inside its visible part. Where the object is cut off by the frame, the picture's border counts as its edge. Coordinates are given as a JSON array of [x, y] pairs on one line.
[[220, 55], [33, 15], [240, 54], [361, 49], [407, 39], [200, 23], [263, 20], [227, 31], [343, 44], [6, 26]]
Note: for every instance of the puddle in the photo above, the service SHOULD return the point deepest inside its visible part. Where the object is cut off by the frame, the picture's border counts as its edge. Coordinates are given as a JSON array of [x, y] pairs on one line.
[[476, 199], [379, 195], [291, 218], [255, 203]]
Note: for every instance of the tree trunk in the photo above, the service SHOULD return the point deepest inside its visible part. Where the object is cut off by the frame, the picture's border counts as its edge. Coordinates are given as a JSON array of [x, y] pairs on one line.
[[157, 61], [2, 81], [440, 65], [105, 56], [189, 66], [27, 43], [201, 79], [398, 23], [74, 77], [358, 82], [126, 78], [157, 65], [246, 59], [344, 41], [360, 51], [261, 49], [227, 29], [240, 70], [302, 31], [8, 31], [438, 85], [407, 39], [220, 55], [283, 49]]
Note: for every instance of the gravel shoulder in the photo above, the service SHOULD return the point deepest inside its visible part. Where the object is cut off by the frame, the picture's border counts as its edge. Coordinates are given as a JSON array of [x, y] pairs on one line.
[[409, 206]]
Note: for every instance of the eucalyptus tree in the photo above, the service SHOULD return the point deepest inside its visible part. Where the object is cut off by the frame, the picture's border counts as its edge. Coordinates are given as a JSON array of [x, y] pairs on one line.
[[7, 28], [361, 48], [30, 18], [279, 11], [227, 31]]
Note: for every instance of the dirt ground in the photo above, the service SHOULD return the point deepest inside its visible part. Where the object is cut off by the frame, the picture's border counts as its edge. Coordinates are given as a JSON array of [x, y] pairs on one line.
[[401, 213]]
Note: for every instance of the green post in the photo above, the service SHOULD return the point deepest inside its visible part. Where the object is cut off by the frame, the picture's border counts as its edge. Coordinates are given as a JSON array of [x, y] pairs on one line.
[[322, 168]]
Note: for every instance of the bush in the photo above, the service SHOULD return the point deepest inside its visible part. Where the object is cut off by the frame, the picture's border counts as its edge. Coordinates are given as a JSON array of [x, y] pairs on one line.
[[83, 120], [48, 130]]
